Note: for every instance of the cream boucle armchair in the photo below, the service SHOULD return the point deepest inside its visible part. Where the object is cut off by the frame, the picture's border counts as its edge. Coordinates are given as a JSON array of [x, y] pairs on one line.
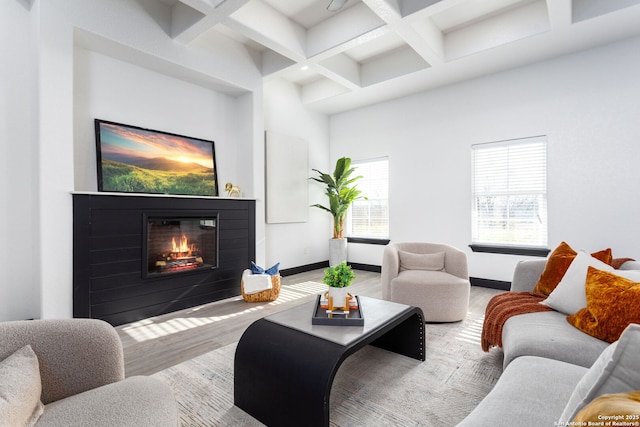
[[431, 276], [82, 375]]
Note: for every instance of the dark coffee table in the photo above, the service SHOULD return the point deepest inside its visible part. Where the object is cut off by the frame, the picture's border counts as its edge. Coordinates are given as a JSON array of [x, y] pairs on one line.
[[284, 366]]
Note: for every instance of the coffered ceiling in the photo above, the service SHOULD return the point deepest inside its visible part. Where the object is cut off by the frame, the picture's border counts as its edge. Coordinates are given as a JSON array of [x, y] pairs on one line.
[[373, 50]]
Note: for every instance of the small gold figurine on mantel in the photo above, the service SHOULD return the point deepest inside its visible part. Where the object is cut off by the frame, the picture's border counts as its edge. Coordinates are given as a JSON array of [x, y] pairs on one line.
[[232, 190]]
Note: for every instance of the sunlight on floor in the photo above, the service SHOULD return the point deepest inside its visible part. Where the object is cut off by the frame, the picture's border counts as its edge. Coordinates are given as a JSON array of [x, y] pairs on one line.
[[472, 332], [312, 287], [152, 328]]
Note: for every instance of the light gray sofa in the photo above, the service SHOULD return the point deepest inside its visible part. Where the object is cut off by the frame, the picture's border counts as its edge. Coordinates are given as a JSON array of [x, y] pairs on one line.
[[549, 365], [81, 375]]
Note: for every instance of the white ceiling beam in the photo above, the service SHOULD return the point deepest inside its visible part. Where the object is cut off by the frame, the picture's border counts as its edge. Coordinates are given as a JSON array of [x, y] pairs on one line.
[[414, 7], [183, 18], [426, 39], [387, 10], [343, 66], [320, 90], [202, 6], [408, 7], [191, 18], [273, 63], [339, 79], [388, 67], [364, 38], [559, 13], [268, 27]]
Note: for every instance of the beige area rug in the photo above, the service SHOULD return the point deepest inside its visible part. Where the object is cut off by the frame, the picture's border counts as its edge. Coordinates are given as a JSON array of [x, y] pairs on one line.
[[373, 387]]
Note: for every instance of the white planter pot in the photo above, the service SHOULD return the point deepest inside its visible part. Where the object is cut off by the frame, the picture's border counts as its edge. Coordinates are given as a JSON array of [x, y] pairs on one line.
[[337, 251], [339, 296]]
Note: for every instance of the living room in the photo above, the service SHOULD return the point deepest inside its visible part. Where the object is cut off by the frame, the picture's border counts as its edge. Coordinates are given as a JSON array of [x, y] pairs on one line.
[[72, 62], [583, 102]]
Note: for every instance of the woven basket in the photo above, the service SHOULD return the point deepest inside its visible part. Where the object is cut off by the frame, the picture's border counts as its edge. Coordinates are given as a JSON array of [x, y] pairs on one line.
[[263, 296]]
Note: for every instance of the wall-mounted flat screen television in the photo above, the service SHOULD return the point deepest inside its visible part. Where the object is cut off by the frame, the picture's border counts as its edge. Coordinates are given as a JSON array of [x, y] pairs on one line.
[[136, 160]]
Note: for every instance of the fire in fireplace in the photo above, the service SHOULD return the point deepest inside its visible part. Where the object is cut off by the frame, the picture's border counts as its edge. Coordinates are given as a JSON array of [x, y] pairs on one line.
[[180, 244]]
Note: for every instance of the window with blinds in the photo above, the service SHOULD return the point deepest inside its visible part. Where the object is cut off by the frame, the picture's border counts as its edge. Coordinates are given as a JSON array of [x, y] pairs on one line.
[[510, 193], [370, 218]]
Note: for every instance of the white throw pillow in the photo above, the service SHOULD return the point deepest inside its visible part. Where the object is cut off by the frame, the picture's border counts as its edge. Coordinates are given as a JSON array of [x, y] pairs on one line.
[[617, 370], [570, 294], [20, 389]]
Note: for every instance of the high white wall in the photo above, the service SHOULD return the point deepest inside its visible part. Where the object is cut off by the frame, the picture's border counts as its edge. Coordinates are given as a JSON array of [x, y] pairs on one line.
[[298, 244], [587, 105], [19, 279], [114, 90]]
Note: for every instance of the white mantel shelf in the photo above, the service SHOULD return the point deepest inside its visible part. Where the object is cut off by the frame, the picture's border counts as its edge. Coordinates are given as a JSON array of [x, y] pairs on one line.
[[173, 196]]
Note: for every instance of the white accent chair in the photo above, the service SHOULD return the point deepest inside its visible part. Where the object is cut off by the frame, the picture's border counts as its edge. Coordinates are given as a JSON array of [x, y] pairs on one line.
[[431, 276]]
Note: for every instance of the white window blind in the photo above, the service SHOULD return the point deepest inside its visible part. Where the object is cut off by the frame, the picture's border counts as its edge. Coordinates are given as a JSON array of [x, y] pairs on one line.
[[510, 193], [370, 218]]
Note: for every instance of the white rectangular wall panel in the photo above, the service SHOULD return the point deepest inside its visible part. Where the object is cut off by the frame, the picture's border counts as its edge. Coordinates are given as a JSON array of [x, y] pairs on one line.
[[287, 180]]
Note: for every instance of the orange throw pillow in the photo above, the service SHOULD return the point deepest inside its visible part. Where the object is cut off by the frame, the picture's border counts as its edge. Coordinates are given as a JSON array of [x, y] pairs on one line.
[[623, 407], [558, 263], [612, 304]]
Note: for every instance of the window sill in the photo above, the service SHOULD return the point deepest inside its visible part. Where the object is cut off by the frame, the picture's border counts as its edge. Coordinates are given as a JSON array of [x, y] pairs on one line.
[[510, 250], [368, 241]]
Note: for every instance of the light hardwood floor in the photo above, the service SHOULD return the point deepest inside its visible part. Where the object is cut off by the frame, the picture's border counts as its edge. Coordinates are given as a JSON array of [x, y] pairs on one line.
[[156, 343]]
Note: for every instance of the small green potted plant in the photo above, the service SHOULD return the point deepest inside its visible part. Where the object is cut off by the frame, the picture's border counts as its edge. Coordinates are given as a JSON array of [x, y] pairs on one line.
[[338, 278]]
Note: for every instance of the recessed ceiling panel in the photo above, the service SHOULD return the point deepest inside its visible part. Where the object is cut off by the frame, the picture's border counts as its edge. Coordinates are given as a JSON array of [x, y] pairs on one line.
[[307, 13], [511, 24], [471, 12], [369, 51], [408, 7], [393, 64], [587, 9], [302, 75], [357, 22], [239, 37]]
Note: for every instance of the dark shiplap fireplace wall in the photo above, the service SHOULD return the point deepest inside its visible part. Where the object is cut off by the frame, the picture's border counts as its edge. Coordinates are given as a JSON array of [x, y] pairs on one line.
[[108, 258]]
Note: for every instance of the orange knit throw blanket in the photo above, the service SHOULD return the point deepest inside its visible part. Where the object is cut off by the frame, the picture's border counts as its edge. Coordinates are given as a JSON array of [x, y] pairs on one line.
[[501, 307]]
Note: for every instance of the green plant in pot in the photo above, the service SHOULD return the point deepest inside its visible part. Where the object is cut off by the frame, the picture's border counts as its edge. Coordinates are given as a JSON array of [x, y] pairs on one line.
[[338, 278], [341, 192]]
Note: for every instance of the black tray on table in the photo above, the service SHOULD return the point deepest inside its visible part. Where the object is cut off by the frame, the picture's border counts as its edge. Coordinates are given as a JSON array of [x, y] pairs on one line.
[[321, 317]]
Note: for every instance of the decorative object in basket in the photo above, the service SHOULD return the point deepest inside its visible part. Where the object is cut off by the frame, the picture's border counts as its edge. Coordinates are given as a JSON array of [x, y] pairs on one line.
[[260, 285]]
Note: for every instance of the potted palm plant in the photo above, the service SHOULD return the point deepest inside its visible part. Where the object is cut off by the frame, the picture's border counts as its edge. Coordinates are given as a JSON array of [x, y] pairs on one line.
[[338, 278], [341, 192]]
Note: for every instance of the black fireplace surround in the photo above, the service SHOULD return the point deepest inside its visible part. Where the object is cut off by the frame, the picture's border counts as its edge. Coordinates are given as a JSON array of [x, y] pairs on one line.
[[136, 257]]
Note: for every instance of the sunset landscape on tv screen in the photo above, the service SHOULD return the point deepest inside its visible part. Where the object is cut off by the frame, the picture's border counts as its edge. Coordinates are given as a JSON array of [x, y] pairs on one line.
[[136, 160]]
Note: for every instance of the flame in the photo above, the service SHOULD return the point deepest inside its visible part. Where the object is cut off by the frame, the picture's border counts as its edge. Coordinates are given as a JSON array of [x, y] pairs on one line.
[[183, 246]]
